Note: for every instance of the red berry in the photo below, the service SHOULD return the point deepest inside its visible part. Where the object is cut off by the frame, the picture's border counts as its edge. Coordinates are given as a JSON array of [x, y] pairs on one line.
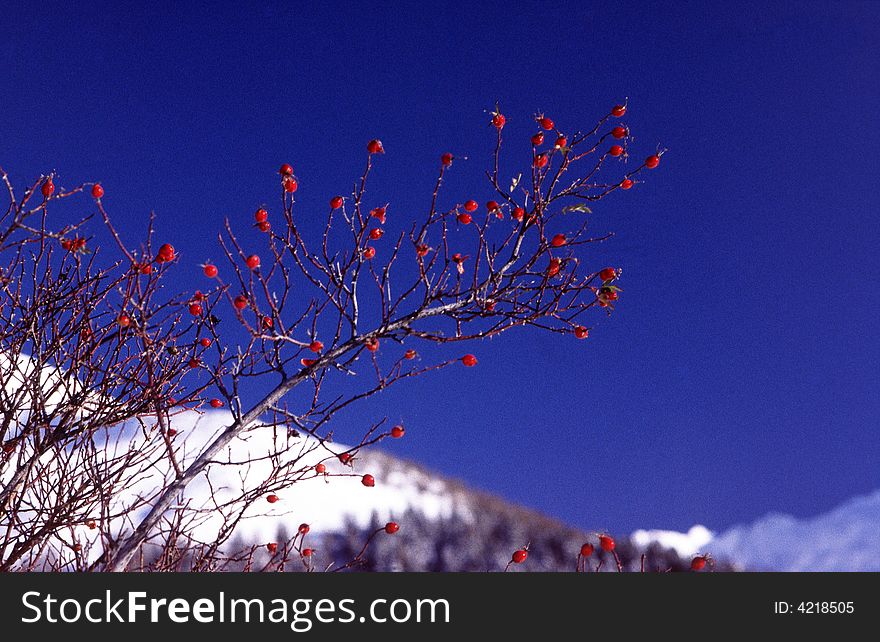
[[369, 253], [652, 161], [498, 121], [368, 480], [561, 142], [471, 205], [607, 543], [261, 215], [376, 233], [375, 147], [391, 528], [538, 139], [316, 346], [618, 110], [146, 268], [253, 261], [464, 218], [698, 563], [345, 457], [172, 432], [586, 550], [518, 213], [205, 342], [272, 498], [608, 274], [91, 524], [492, 206], [272, 547], [336, 202], [469, 360], [581, 332], [124, 320], [97, 190], [541, 161], [195, 309], [626, 184], [286, 170], [409, 354], [216, 403], [546, 123], [616, 150], [67, 244], [166, 253], [372, 344], [619, 132], [553, 267], [307, 552], [194, 363], [308, 363], [267, 323], [458, 258], [397, 432], [378, 213], [48, 188], [240, 302], [265, 226], [210, 271], [446, 159], [290, 184], [77, 548], [559, 240], [304, 528], [422, 250], [320, 469], [520, 556]]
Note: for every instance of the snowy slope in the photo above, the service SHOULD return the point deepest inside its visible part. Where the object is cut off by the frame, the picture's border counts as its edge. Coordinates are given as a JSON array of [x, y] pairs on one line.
[[844, 539], [326, 502]]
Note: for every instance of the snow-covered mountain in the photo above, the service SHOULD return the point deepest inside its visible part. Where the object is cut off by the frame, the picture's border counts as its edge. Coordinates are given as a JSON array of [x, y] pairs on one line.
[[846, 538], [445, 525]]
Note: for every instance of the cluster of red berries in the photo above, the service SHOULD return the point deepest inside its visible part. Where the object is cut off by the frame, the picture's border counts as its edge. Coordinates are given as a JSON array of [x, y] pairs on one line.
[[166, 253], [261, 216], [77, 244], [288, 180], [606, 543]]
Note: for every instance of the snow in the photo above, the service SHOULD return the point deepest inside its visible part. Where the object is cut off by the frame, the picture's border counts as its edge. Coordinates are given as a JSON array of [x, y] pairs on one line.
[[846, 538], [326, 503], [685, 544]]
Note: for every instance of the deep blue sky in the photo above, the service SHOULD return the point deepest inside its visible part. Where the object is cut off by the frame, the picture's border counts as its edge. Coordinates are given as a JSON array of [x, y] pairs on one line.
[[739, 374]]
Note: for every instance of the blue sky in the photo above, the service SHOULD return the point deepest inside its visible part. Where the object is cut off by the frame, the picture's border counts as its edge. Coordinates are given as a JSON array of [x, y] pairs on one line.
[[739, 374]]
